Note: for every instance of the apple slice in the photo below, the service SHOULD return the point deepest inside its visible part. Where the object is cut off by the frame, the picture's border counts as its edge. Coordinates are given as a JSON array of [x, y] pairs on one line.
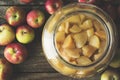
[[101, 34], [87, 24], [83, 61], [74, 19], [74, 53], [97, 25], [75, 29], [88, 50], [64, 55], [80, 39], [82, 18], [60, 36], [68, 42], [90, 32], [67, 25], [62, 27], [94, 41]]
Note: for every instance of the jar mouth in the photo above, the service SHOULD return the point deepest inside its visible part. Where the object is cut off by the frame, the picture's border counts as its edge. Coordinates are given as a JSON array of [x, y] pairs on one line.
[[105, 27]]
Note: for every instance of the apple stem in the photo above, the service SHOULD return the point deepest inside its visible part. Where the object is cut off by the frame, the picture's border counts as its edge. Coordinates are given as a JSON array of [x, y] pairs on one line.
[[23, 33]]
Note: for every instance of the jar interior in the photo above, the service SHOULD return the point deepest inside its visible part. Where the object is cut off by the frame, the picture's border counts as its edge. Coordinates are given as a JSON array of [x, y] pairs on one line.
[[81, 38]]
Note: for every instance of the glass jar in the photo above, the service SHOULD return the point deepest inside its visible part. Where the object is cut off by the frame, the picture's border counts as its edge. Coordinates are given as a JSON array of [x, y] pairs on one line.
[[52, 53]]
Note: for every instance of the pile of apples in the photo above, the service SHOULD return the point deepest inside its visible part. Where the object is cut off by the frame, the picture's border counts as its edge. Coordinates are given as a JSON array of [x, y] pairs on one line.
[[17, 31]]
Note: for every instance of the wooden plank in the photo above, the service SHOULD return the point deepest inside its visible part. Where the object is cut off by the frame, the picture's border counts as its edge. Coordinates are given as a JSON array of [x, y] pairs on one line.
[[46, 76]]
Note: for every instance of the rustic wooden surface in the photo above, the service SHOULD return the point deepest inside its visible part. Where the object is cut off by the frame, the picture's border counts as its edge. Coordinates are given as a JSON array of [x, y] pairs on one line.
[[36, 66]]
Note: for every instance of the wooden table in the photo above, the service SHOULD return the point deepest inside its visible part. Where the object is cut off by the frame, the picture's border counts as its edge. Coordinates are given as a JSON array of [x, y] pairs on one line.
[[36, 66]]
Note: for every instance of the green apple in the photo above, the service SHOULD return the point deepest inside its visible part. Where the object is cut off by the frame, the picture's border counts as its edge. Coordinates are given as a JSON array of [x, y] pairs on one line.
[[115, 63], [110, 75], [25, 34], [7, 34]]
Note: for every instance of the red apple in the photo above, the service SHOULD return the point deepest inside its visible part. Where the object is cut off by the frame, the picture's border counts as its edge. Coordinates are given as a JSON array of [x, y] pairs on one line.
[[26, 1], [87, 1], [7, 34], [15, 53], [25, 34], [15, 15], [52, 5], [5, 69], [35, 18]]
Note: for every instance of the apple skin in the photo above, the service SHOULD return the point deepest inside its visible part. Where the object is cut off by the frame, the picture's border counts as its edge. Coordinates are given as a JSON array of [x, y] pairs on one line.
[[52, 5], [110, 75], [35, 18], [26, 1], [15, 16], [87, 1], [15, 53], [115, 63], [25, 34], [7, 34], [5, 69]]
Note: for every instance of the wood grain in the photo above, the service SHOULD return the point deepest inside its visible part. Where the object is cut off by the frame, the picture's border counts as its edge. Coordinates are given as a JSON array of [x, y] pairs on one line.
[[35, 66]]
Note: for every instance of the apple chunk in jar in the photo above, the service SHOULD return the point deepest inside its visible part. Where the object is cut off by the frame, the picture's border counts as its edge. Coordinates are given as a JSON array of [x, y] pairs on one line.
[[80, 39]]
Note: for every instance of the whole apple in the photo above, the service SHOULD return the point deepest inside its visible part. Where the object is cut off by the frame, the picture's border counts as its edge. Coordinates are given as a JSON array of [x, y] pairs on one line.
[[5, 69], [7, 34], [26, 1], [25, 34], [115, 63], [15, 15], [15, 53], [87, 1], [110, 75], [35, 18], [52, 5]]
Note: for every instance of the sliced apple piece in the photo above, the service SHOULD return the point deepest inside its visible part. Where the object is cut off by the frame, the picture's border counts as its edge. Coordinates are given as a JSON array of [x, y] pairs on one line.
[[62, 27], [94, 41], [90, 32], [75, 29], [67, 25], [64, 55], [101, 34], [97, 25], [74, 19], [58, 45], [86, 24], [83, 61], [102, 46], [80, 39], [60, 36], [97, 56], [74, 53], [88, 50], [82, 18], [68, 42]]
